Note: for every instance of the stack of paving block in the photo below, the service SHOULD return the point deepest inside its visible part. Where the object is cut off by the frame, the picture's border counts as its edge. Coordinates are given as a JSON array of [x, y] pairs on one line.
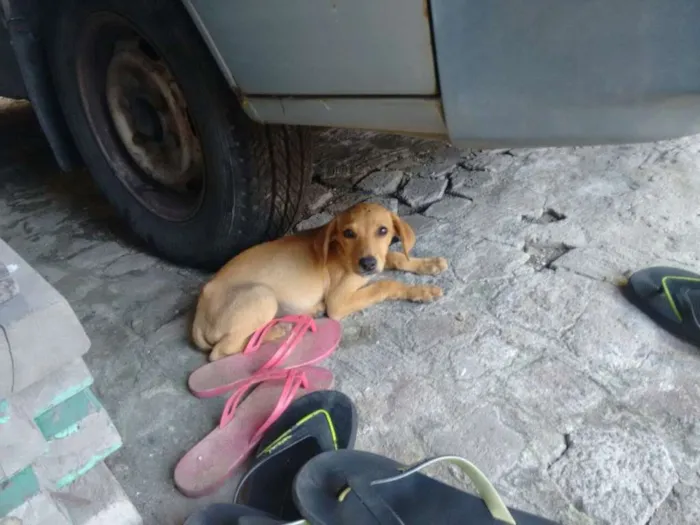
[[54, 433]]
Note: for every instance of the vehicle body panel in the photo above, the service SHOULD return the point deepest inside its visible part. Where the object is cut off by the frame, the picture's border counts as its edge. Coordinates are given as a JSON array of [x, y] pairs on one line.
[[568, 72], [321, 47], [419, 116]]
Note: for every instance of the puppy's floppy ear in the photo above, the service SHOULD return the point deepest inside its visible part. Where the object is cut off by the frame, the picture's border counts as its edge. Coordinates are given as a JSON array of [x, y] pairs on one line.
[[405, 233], [324, 237]]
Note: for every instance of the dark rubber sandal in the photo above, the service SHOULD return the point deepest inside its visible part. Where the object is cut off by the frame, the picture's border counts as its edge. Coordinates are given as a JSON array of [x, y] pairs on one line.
[[670, 297], [352, 488], [227, 514], [317, 422]]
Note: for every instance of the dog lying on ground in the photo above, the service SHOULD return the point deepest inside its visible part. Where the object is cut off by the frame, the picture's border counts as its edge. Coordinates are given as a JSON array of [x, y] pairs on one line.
[[322, 270]]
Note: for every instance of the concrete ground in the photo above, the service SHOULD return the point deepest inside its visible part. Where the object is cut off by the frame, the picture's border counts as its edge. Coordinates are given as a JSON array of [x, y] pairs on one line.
[[532, 365]]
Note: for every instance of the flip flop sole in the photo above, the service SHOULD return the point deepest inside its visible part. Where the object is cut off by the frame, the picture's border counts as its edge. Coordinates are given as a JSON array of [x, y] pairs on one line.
[[224, 375], [268, 484], [322, 496], [212, 461]]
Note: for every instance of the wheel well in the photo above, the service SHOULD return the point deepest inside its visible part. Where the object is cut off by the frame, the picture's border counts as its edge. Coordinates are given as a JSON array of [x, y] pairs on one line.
[[26, 24]]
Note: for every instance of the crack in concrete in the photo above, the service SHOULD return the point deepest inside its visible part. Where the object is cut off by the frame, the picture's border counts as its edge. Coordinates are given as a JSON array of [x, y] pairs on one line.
[[12, 358], [555, 267], [549, 215], [564, 331], [505, 379], [458, 196], [567, 445], [543, 256], [501, 243], [672, 492]]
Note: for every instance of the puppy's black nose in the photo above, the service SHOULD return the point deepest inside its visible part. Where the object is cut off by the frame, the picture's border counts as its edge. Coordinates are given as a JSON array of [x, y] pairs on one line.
[[368, 264]]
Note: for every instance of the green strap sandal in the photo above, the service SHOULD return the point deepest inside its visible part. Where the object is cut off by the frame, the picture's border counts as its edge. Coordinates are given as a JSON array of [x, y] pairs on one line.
[[227, 514], [351, 487], [317, 422], [670, 297]]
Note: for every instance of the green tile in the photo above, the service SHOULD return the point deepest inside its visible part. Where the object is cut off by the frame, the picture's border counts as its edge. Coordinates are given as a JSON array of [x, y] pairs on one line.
[[67, 394], [89, 465], [4, 411], [17, 490], [63, 419]]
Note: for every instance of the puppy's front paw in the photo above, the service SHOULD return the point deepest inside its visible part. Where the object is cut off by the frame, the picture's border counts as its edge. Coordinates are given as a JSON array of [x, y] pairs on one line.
[[424, 294], [214, 355], [434, 266]]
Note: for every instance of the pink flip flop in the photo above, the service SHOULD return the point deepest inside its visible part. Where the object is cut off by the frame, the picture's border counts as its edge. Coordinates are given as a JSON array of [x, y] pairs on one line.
[[299, 348], [212, 461]]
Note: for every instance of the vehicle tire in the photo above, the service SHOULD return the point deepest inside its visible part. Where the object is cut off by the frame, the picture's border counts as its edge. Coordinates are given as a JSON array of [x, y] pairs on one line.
[[165, 137]]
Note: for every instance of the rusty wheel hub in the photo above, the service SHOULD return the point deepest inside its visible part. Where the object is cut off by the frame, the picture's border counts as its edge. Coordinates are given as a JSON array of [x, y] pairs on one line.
[[150, 116]]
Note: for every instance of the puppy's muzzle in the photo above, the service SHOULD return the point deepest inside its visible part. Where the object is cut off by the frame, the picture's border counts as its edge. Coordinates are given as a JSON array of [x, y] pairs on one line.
[[367, 264]]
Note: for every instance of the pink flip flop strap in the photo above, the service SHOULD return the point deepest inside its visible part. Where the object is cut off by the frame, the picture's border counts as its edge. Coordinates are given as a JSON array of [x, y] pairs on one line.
[[294, 379], [297, 379], [302, 324]]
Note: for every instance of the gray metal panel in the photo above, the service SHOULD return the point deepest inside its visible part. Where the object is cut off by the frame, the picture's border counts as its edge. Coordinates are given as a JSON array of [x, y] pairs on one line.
[[554, 72], [321, 47], [210, 43], [420, 116]]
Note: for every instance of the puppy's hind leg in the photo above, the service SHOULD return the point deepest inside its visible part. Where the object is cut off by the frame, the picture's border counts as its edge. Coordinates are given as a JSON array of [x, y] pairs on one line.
[[248, 308]]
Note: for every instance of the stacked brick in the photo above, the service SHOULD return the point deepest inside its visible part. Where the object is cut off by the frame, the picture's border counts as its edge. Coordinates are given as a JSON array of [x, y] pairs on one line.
[[54, 432]]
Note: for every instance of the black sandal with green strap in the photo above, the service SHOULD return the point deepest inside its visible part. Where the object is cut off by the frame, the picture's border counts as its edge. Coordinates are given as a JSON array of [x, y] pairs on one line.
[[318, 422], [353, 488], [670, 297], [227, 514]]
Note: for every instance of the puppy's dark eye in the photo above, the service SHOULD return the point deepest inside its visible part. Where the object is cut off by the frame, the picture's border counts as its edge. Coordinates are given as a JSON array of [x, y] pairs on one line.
[[382, 231], [349, 234]]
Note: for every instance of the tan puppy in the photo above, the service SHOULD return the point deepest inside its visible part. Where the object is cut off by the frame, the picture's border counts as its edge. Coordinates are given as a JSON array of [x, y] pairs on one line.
[[321, 270]]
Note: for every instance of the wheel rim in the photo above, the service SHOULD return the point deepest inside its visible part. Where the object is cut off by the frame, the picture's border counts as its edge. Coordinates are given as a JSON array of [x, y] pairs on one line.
[[139, 116]]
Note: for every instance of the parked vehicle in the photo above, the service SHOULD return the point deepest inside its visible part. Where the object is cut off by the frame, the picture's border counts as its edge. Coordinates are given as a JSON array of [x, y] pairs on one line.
[[193, 116]]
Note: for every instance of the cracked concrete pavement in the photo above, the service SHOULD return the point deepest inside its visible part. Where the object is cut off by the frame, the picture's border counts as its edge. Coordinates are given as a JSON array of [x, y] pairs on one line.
[[531, 365]]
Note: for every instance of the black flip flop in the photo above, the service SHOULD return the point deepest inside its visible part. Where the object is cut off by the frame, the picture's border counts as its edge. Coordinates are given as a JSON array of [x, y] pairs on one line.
[[318, 422], [670, 297], [228, 514], [352, 488]]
